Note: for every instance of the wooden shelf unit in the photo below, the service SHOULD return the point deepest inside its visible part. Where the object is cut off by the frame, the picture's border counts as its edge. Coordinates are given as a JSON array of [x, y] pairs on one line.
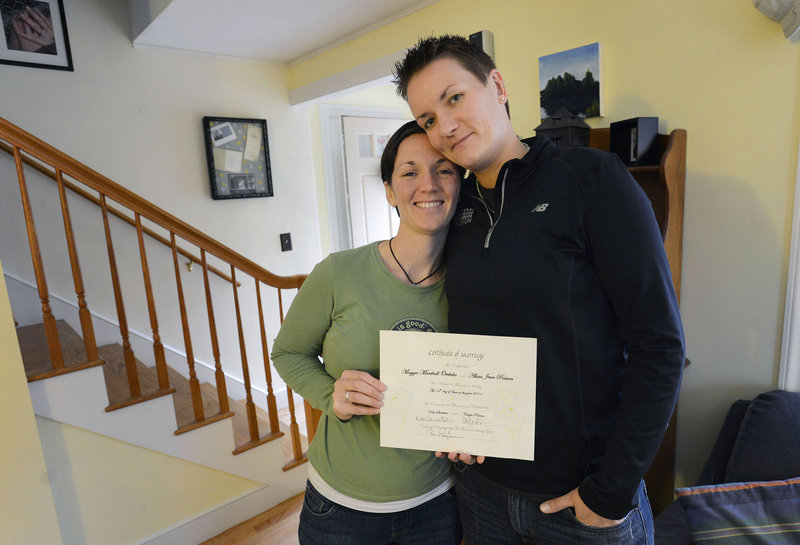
[[664, 184]]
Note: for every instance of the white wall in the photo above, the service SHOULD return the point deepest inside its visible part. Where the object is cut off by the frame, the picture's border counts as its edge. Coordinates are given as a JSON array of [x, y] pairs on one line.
[[134, 115]]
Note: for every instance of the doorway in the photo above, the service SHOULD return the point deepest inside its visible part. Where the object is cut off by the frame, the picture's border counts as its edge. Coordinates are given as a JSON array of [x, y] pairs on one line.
[[371, 217], [357, 209]]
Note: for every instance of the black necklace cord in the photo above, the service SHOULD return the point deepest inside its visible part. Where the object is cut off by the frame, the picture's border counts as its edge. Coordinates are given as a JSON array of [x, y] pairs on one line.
[[434, 271]]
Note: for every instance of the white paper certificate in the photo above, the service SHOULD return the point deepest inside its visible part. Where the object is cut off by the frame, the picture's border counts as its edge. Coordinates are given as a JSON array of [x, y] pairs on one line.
[[252, 146], [459, 393], [228, 160]]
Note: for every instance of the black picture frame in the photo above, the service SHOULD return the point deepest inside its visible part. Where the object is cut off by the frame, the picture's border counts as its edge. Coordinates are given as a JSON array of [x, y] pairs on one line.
[[35, 34], [237, 150]]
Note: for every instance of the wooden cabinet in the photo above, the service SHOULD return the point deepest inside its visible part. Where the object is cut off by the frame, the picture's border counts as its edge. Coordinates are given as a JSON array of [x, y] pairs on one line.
[[664, 184]]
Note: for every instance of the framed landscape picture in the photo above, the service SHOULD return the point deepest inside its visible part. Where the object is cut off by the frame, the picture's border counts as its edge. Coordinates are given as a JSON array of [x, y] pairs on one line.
[[237, 151], [572, 79], [35, 34]]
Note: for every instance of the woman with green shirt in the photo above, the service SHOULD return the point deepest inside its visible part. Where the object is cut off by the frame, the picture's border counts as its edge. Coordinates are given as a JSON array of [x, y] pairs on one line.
[[359, 492]]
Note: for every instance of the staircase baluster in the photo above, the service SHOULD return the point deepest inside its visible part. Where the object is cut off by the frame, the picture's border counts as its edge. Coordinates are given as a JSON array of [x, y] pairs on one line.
[[130, 360], [312, 415], [297, 447], [194, 384], [294, 429], [87, 328], [219, 375], [272, 406], [49, 321], [312, 420], [158, 347], [252, 420]]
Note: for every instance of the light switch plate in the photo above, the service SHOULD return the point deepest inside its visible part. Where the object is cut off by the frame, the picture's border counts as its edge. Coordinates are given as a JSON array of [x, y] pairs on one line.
[[286, 242]]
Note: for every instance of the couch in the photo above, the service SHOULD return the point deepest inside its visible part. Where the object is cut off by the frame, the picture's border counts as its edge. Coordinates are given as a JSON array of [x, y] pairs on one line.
[[749, 489]]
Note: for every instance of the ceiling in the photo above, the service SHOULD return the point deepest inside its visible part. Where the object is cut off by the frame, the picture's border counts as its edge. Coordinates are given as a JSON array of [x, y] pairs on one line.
[[281, 31]]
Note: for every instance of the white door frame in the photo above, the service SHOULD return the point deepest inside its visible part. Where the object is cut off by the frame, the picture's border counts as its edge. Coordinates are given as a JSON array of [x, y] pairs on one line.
[[789, 373], [331, 134]]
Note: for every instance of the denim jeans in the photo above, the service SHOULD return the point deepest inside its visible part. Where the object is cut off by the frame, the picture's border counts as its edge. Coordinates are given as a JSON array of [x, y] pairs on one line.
[[494, 515], [323, 522]]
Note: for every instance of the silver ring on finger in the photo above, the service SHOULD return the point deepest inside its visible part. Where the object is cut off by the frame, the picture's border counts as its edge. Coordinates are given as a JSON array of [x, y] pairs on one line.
[[347, 396]]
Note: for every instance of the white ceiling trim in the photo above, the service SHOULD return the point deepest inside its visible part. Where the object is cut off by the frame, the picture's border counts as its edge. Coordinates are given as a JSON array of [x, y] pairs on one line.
[[365, 30], [366, 73]]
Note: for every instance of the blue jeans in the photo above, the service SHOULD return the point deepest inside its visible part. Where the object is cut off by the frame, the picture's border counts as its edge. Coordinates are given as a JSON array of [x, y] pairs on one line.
[[494, 515], [323, 522]]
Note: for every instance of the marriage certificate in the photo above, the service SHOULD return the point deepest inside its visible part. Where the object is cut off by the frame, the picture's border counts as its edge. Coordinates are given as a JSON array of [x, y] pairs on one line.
[[459, 393]]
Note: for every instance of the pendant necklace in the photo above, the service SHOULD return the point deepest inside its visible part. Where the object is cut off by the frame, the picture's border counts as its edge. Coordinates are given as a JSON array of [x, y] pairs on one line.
[[434, 271]]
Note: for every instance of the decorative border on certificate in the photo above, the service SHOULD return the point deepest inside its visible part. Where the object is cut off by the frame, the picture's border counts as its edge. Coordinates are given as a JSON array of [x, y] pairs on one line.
[[459, 393]]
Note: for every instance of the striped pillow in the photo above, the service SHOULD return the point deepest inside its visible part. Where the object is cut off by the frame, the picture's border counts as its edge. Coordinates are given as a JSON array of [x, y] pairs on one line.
[[744, 513]]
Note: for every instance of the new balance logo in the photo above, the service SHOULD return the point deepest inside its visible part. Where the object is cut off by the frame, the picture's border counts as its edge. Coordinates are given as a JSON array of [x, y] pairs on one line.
[[464, 216], [540, 207]]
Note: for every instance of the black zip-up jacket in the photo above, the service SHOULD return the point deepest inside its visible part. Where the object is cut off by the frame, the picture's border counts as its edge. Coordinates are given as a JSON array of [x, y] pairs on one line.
[[574, 258]]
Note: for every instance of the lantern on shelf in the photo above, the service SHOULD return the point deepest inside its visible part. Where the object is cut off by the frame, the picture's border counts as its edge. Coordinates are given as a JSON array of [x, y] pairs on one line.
[[565, 129]]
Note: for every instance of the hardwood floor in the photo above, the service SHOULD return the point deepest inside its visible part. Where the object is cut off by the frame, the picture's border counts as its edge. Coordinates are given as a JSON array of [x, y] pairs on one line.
[[278, 526]]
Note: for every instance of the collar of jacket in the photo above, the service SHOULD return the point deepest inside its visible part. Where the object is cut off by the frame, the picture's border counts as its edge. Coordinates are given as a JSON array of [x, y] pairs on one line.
[[520, 168]]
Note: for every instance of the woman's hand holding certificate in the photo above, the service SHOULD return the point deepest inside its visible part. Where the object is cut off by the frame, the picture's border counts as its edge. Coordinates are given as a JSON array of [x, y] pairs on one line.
[[468, 459], [357, 392]]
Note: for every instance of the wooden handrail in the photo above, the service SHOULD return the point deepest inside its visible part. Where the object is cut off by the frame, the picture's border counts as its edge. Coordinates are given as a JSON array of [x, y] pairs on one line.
[[96, 181], [54, 175], [43, 157]]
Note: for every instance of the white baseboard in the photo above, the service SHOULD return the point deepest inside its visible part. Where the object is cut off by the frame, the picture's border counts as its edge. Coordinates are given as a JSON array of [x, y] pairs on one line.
[[220, 518]]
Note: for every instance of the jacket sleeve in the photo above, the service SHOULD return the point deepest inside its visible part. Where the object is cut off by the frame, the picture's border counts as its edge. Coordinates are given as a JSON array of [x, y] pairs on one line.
[[632, 267], [297, 348]]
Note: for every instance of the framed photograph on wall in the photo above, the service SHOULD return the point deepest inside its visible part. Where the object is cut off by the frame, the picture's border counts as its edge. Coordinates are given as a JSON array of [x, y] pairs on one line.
[[572, 79], [35, 34], [237, 151]]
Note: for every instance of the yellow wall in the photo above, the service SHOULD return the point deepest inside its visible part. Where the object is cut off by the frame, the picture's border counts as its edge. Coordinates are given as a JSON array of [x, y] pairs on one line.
[[725, 73], [112, 493], [27, 511]]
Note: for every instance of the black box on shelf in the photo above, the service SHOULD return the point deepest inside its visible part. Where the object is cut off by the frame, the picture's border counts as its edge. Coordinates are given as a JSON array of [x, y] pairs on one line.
[[635, 141]]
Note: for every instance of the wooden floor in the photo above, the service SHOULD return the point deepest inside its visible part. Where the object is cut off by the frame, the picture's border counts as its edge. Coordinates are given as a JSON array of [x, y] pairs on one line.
[[278, 526]]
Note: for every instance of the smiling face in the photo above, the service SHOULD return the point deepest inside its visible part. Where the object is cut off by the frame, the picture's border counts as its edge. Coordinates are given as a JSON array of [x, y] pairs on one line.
[[464, 118], [424, 186]]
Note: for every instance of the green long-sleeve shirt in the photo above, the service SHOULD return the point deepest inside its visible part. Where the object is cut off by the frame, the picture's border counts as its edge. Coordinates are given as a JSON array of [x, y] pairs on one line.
[[346, 300]]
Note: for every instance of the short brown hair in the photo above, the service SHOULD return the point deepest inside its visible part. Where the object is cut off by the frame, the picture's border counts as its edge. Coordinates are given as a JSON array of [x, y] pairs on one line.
[[427, 50]]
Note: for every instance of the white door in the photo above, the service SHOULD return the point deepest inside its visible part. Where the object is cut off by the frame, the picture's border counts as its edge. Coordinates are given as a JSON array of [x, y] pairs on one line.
[[371, 217]]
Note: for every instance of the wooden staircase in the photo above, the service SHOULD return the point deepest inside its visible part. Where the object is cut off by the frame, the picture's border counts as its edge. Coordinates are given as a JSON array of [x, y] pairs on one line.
[[36, 359], [103, 386]]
